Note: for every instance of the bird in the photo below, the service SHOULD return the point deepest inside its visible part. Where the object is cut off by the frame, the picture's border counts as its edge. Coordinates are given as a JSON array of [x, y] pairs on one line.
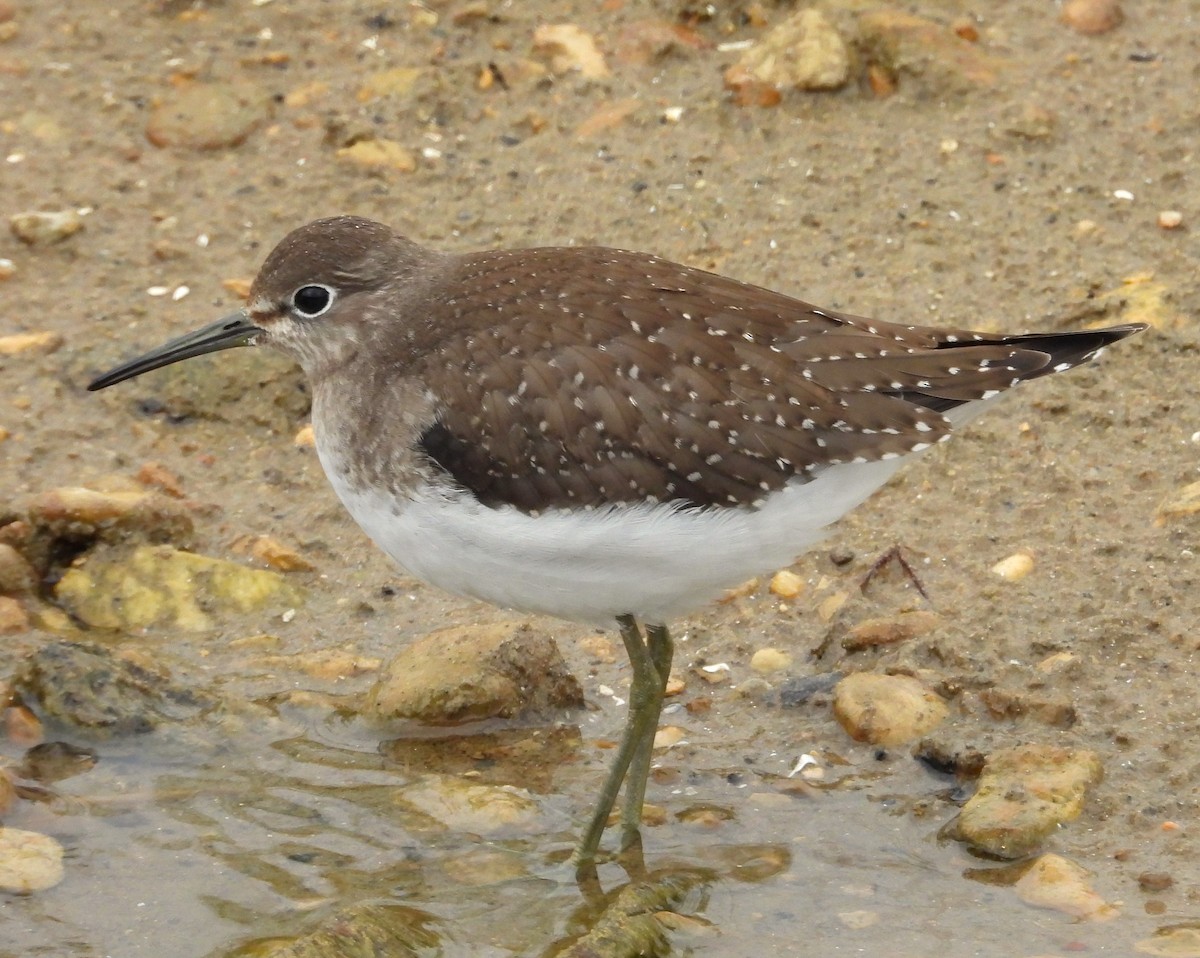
[[601, 435]]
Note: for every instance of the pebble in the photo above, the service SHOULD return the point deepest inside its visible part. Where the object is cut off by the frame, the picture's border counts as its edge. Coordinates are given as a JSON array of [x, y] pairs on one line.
[[1180, 504], [769, 660], [886, 709], [467, 673], [786, 584], [1024, 794], [379, 155], [41, 228], [668, 736], [29, 861], [1170, 219], [17, 343], [804, 52], [570, 50], [1092, 17], [368, 928], [8, 791], [160, 477], [8, 269], [305, 438], [17, 576], [272, 553], [1058, 883], [21, 725], [208, 116], [158, 586], [890, 630], [930, 56], [92, 687], [75, 510], [462, 806], [795, 692], [1015, 567], [13, 617], [1172, 941]]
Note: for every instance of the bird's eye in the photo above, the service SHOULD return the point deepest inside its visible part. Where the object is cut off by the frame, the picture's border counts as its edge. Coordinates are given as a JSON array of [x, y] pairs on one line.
[[312, 300]]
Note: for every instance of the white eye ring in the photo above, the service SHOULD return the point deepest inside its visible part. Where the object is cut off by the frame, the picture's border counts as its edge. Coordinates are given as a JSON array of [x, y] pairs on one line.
[[312, 300]]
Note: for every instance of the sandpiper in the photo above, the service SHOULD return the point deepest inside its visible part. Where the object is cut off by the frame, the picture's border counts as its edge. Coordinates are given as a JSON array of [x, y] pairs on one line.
[[600, 435]]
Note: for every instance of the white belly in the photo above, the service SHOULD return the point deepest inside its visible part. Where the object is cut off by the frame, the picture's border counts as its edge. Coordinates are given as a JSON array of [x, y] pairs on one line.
[[653, 561]]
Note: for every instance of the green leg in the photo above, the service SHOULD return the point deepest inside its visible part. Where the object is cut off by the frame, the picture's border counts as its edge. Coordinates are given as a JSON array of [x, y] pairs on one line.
[[645, 703], [661, 651]]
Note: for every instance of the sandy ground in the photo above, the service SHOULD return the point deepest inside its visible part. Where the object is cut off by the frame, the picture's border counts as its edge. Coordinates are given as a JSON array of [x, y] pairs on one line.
[[1026, 200]]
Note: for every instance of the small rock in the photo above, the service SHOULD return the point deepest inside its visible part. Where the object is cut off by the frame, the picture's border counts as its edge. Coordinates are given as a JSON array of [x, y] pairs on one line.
[[466, 673], [804, 52], [153, 474], [208, 116], [931, 56], [29, 861], [1173, 941], [50, 762], [770, 660], [570, 50], [17, 576], [43, 228], [950, 752], [272, 553], [371, 928], [1015, 567], [1092, 17], [667, 736], [239, 286], [786, 584], [305, 438], [90, 687], [1055, 882], [1182, 503], [1155, 881], [1024, 794], [21, 726], [1170, 219], [45, 342], [76, 511], [831, 605], [13, 617], [461, 806], [379, 155], [8, 269], [890, 630], [8, 791], [157, 586], [886, 709], [798, 691]]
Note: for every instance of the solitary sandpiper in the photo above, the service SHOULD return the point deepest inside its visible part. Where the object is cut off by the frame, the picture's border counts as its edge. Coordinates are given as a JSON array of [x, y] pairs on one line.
[[600, 435]]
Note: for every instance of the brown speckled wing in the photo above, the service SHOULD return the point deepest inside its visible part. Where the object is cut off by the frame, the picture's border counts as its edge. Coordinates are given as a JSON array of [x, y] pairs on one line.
[[586, 376]]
